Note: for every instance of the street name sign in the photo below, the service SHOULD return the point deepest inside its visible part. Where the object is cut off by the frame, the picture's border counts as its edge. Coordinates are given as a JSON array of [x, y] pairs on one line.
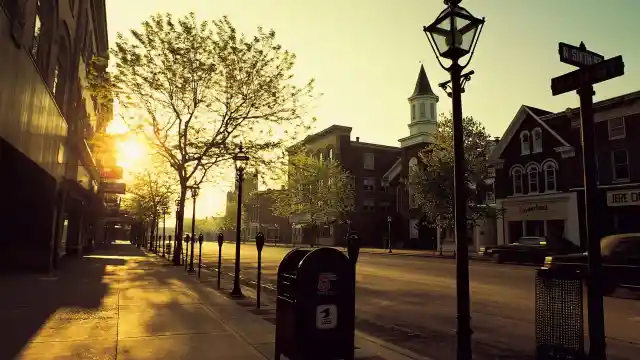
[[578, 56], [597, 73]]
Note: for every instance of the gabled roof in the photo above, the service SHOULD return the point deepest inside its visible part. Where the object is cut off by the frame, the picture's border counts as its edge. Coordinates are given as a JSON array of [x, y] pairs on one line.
[[395, 169], [423, 87], [522, 114]]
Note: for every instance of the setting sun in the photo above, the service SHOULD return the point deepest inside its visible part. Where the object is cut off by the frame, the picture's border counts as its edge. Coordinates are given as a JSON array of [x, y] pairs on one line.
[[131, 152]]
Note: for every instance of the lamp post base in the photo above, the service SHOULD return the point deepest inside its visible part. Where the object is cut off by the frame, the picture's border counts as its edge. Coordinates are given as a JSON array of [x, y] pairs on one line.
[[191, 270], [237, 293]]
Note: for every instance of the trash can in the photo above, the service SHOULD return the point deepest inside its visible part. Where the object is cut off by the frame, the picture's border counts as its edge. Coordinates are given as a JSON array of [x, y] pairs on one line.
[[315, 306], [559, 321]]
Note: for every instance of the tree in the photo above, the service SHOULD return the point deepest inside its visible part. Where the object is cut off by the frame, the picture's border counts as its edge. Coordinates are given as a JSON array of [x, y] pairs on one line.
[[321, 189], [200, 89], [431, 181]]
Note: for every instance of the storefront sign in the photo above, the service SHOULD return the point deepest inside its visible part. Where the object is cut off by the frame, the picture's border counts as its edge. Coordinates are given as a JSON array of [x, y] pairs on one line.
[[623, 197], [536, 210]]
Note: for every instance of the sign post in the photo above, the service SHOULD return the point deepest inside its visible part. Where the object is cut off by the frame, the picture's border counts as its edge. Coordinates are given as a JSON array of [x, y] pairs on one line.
[[259, 246], [592, 69], [220, 242]]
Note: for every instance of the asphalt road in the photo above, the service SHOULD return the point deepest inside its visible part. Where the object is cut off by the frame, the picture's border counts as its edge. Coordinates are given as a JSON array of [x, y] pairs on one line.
[[411, 302]]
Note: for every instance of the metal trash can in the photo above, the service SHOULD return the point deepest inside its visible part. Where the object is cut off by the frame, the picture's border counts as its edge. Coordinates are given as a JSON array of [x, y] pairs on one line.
[[559, 320]]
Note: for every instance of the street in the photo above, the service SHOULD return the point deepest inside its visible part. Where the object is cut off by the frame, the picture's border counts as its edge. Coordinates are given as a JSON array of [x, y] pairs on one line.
[[410, 301]]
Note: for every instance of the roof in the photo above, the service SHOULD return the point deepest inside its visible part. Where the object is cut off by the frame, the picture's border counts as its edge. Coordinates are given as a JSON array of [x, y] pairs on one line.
[[423, 87], [320, 134], [522, 114]]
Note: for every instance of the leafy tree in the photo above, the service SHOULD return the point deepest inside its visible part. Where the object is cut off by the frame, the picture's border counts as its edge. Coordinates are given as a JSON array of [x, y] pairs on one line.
[[321, 189], [431, 182], [199, 89]]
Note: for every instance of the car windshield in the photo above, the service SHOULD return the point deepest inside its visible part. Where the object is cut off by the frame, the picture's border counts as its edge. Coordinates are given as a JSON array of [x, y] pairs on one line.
[[532, 241], [609, 243]]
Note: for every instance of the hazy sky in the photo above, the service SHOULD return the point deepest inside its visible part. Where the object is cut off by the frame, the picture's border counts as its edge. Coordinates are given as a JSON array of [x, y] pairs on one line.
[[365, 54]]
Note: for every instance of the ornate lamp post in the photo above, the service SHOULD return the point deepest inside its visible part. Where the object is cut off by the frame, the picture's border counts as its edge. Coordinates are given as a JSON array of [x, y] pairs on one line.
[[453, 35], [164, 227], [240, 159], [194, 195], [176, 255]]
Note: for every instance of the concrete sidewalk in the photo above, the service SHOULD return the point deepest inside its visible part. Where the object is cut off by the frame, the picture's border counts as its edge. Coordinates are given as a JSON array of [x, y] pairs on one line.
[[118, 303]]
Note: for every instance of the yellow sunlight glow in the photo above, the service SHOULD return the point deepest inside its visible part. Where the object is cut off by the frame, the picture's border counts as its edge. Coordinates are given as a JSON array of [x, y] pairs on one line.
[[131, 153]]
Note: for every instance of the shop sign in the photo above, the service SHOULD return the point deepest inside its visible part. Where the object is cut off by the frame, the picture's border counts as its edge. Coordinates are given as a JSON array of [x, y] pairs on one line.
[[543, 210], [623, 197], [113, 187], [534, 208]]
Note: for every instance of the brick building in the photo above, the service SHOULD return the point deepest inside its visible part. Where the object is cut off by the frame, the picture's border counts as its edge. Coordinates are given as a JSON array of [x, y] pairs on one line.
[[48, 116], [538, 172]]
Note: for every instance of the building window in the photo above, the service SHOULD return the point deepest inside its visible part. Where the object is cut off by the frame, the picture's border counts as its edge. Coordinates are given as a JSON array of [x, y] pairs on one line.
[[537, 140], [620, 164], [423, 110], [326, 232], [517, 181], [550, 177], [385, 206], [368, 205], [37, 30], [413, 164], [369, 184], [321, 157], [369, 161], [532, 173], [524, 143], [413, 111], [330, 154], [616, 128], [432, 110]]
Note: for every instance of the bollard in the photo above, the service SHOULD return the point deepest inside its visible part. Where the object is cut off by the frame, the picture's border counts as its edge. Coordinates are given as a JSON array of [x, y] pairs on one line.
[[186, 251], [220, 242], [169, 252], [353, 250], [193, 243], [200, 240], [259, 246]]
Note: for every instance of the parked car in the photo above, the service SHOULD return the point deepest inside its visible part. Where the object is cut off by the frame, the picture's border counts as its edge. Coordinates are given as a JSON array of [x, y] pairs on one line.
[[620, 261], [529, 249]]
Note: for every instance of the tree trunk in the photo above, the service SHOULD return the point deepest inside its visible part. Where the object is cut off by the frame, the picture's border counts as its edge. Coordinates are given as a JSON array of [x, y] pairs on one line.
[[177, 254]]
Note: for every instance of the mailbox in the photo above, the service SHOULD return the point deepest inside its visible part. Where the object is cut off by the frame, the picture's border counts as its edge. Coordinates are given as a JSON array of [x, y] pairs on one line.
[[315, 307]]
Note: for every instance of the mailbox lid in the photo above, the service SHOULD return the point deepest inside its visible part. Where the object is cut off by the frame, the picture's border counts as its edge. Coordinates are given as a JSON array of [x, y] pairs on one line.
[[291, 261]]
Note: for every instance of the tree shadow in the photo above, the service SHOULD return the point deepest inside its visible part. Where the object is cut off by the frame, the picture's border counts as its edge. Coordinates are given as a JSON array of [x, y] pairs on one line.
[[75, 291]]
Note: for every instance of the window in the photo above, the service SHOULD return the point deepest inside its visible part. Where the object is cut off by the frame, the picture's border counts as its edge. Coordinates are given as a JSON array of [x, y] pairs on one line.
[[369, 184], [616, 128], [37, 30], [537, 140], [369, 161], [423, 110], [517, 181], [321, 157], [550, 176], [385, 206], [413, 163], [432, 110], [330, 154], [524, 143], [326, 231], [620, 165], [368, 205], [532, 173], [413, 111]]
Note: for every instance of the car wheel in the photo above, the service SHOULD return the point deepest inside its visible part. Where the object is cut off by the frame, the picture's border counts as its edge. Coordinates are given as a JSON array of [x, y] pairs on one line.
[[497, 258]]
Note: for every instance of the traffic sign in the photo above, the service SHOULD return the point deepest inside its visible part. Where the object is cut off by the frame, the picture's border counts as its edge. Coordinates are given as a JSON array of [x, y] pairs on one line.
[[597, 73], [578, 55]]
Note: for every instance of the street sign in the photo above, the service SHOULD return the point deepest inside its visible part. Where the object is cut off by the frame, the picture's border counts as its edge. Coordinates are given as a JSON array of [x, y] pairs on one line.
[[578, 56], [113, 187], [597, 73]]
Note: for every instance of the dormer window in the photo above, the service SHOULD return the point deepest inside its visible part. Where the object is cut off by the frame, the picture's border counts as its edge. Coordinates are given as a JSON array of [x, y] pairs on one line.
[[532, 173], [516, 174], [537, 140], [525, 147]]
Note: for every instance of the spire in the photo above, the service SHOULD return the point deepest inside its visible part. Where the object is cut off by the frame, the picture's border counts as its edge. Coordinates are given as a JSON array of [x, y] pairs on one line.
[[422, 84]]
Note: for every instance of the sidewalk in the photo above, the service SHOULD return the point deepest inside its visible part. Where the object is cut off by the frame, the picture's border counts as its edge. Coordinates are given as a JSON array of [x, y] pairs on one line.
[[126, 303]]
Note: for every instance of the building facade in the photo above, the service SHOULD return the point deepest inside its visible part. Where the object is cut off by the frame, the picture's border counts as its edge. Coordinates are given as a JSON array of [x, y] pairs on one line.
[[49, 116], [538, 172]]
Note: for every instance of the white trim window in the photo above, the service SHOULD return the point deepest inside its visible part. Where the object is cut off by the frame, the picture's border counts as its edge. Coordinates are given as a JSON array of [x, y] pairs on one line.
[[369, 161], [617, 129], [536, 134], [550, 176], [532, 174], [516, 175], [423, 110], [413, 111], [620, 165], [525, 146]]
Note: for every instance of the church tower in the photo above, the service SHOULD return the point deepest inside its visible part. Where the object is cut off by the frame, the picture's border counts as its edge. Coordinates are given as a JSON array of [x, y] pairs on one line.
[[423, 110]]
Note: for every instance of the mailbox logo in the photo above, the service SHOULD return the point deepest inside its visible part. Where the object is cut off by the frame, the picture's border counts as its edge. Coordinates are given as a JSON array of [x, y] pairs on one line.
[[324, 282]]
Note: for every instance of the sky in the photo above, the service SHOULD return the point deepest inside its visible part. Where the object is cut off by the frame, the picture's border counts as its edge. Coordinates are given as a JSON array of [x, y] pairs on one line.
[[365, 55]]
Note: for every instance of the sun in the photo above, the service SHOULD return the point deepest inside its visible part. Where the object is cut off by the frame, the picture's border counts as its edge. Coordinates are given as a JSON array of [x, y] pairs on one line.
[[131, 153]]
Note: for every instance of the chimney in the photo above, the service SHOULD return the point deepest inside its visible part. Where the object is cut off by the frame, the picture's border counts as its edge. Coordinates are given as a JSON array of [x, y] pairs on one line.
[[357, 138]]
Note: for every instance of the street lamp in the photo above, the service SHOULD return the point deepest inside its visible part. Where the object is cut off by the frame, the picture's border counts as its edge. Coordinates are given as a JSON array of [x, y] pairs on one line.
[[194, 195], [389, 231], [164, 227], [455, 34], [240, 159], [176, 255]]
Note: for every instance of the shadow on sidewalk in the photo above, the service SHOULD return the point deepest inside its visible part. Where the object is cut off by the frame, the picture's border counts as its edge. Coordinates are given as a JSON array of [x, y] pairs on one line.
[[31, 302]]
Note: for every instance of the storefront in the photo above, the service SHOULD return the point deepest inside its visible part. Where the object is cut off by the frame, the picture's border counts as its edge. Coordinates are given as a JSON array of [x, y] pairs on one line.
[[623, 211], [541, 215]]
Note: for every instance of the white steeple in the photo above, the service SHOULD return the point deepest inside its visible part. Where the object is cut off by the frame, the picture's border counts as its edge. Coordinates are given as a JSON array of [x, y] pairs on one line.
[[423, 105]]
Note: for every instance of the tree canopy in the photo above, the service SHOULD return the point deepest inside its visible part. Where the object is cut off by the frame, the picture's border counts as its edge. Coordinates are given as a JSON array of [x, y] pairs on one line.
[[431, 181], [321, 189], [150, 192]]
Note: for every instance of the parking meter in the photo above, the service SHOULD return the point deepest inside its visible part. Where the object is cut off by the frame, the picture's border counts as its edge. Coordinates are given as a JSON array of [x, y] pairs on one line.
[[169, 248], [200, 241], [220, 242], [353, 247], [193, 251], [187, 239], [259, 246]]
